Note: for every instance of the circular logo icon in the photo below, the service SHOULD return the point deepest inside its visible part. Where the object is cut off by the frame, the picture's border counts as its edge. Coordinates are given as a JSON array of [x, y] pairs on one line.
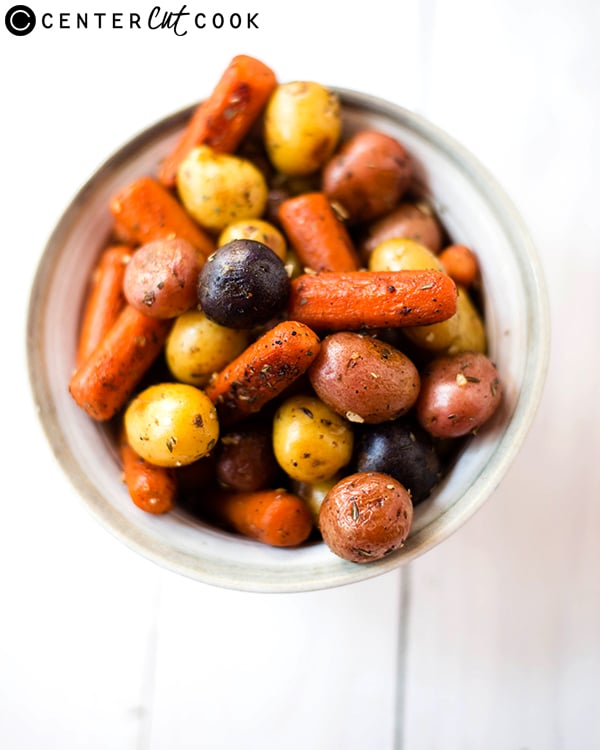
[[20, 20]]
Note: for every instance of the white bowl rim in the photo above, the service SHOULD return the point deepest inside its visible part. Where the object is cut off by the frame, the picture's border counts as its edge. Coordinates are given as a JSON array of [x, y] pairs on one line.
[[449, 521]]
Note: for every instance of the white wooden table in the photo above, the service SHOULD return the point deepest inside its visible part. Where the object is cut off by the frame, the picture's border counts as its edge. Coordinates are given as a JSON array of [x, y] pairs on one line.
[[490, 641]]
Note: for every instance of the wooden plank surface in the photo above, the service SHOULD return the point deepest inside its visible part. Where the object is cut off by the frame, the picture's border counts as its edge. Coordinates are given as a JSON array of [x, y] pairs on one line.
[[504, 621]]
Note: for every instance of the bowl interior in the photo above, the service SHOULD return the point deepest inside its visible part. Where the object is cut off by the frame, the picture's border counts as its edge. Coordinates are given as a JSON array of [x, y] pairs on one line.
[[475, 212]]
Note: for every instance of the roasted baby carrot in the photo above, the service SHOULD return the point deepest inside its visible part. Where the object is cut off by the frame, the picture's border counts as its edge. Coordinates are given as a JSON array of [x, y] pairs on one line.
[[102, 383], [371, 299], [320, 239], [274, 517], [224, 119], [263, 370], [146, 211], [460, 263], [152, 488], [122, 235], [105, 298]]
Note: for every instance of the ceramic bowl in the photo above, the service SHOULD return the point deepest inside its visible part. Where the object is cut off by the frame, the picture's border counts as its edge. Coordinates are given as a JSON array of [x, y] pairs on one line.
[[475, 211]]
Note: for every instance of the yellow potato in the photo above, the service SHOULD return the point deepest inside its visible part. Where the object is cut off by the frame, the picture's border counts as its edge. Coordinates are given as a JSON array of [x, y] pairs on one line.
[[258, 230], [310, 441], [401, 253], [470, 335], [171, 424], [197, 347], [314, 493], [302, 127], [218, 189]]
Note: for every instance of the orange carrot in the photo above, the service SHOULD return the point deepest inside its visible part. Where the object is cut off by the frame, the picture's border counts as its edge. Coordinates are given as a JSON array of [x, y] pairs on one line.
[[152, 488], [102, 384], [319, 238], [460, 263], [122, 235], [261, 372], [105, 298], [371, 299], [274, 517], [146, 211], [224, 119]]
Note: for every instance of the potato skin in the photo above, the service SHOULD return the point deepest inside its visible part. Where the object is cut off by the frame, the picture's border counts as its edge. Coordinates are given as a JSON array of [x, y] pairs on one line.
[[470, 334], [161, 278], [414, 221], [368, 175], [244, 457], [310, 441], [364, 379], [366, 516], [459, 393], [197, 347], [171, 424], [255, 229], [217, 189], [403, 450], [302, 127]]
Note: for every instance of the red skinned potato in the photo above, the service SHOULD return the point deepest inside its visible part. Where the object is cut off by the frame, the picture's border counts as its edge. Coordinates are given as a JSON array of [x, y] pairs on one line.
[[364, 379], [161, 279], [459, 393], [414, 221], [367, 176], [366, 516], [244, 457]]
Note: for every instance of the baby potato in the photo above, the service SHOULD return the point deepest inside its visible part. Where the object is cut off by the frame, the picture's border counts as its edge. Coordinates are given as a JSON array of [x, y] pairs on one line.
[[218, 189], [368, 175], [171, 424], [459, 393], [366, 516], [243, 284], [413, 220], [197, 347], [302, 127], [310, 441], [364, 379], [470, 333], [161, 278], [400, 253], [403, 450], [255, 229], [244, 457], [313, 493]]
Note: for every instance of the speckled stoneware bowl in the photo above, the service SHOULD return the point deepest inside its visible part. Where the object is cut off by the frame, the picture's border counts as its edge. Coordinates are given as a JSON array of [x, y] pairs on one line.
[[475, 211]]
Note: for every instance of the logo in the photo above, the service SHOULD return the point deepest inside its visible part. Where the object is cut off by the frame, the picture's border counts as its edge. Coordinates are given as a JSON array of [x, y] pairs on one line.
[[20, 20]]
